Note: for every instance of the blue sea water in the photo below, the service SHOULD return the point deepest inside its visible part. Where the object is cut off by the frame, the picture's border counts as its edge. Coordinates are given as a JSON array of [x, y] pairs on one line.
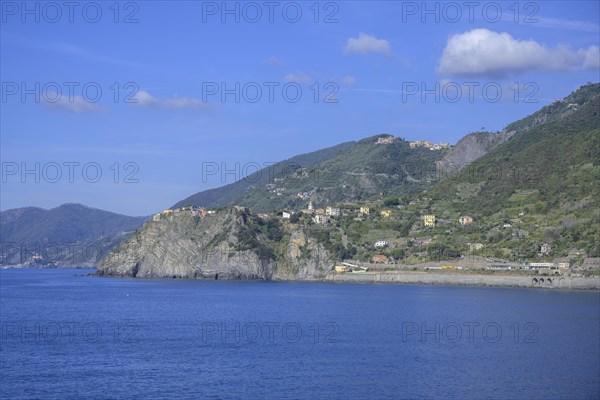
[[68, 336]]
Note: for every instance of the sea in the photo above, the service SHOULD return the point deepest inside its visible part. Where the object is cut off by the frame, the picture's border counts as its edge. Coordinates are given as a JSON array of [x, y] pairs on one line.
[[67, 335]]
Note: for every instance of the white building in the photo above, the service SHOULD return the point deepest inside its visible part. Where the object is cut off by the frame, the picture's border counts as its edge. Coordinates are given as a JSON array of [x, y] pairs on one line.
[[332, 212], [320, 219], [381, 243], [545, 249]]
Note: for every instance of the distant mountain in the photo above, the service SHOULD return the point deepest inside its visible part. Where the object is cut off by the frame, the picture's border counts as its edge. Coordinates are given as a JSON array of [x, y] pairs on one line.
[[232, 193], [71, 234], [369, 169]]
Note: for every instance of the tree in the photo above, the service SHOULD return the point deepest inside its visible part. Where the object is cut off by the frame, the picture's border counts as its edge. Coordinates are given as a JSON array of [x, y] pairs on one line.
[[398, 253], [391, 201], [295, 218]]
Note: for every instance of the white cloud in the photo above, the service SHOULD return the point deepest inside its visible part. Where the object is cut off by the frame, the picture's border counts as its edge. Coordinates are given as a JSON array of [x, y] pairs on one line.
[[145, 99], [365, 44], [591, 57], [481, 52], [298, 77], [348, 80], [75, 104]]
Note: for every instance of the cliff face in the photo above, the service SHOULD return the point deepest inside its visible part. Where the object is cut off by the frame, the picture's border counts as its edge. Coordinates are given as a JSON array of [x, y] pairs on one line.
[[229, 244], [303, 258], [470, 148]]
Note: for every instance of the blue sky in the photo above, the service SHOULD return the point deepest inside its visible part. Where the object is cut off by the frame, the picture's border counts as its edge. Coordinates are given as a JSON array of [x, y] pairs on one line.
[[136, 92]]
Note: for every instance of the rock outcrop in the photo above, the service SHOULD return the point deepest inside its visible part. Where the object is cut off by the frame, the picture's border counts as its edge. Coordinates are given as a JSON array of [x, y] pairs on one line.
[[229, 244], [468, 149]]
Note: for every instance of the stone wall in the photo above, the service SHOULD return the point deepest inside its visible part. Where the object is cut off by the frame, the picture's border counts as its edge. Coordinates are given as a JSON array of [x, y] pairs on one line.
[[424, 278]]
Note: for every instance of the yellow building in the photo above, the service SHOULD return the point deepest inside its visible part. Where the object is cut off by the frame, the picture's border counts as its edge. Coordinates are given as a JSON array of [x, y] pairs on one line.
[[429, 220], [386, 213], [364, 210], [341, 268]]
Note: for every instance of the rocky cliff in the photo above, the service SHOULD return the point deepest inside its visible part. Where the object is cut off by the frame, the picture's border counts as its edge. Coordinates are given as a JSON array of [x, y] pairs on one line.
[[229, 244], [470, 148]]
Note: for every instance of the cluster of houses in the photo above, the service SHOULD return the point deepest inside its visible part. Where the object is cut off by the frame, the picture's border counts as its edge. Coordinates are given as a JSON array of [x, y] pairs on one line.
[[413, 145], [320, 216], [430, 220], [427, 144], [193, 210]]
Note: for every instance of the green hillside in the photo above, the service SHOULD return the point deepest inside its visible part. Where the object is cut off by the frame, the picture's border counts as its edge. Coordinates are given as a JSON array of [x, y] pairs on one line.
[[541, 186], [232, 193], [557, 160], [353, 171], [366, 171]]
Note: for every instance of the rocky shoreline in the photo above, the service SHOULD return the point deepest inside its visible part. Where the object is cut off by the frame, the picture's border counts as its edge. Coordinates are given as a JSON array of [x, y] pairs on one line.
[[437, 279]]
